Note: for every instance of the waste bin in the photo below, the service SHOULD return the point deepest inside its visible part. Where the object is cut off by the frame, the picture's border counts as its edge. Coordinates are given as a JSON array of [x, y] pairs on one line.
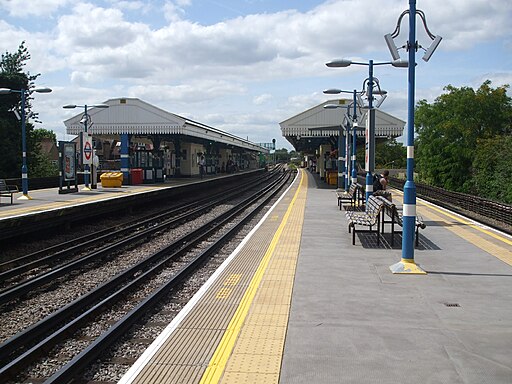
[[111, 179], [137, 176]]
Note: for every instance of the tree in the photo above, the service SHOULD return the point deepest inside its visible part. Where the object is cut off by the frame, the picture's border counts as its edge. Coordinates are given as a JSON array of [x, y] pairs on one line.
[[282, 155], [13, 77], [390, 154], [451, 129], [493, 168], [42, 164]]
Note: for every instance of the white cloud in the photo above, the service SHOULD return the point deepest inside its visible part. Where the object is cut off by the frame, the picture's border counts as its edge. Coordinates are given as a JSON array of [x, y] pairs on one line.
[[262, 99], [40, 8], [220, 70]]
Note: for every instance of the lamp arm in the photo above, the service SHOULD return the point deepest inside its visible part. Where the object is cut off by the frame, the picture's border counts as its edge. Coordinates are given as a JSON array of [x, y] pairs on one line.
[[396, 32], [424, 20]]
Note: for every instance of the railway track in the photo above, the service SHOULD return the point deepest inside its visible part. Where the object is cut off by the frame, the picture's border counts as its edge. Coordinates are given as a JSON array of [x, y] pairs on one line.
[[181, 255], [79, 251]]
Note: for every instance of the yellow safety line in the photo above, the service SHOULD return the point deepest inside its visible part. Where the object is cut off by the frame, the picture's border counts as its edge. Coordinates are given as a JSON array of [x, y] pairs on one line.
[[472, 225], [220, 358]]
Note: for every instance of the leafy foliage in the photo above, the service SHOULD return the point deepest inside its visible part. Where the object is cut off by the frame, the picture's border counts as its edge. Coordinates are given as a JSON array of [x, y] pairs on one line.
[[13, 77], [390, 154], [459, 126], [493, 168]]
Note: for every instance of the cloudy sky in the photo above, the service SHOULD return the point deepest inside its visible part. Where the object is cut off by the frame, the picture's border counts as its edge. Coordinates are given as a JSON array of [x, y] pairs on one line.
[[245, 65]]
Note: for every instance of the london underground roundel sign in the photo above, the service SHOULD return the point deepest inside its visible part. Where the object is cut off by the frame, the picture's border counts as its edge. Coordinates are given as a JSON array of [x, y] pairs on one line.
[[87, 150]]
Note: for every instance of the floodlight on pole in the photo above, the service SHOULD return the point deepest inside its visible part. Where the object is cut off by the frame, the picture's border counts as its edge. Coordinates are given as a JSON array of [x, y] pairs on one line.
[[407, 264], [24, 167], [393, 49]]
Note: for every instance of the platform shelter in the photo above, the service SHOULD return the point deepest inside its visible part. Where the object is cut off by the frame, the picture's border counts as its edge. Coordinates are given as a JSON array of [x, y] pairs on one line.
[[316, 131], [133, 134]]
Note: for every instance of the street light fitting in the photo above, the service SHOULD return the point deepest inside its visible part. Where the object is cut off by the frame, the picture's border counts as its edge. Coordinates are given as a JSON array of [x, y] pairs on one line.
[[381, 100], [379, 92], [339, 63], [4, 91], [397, 62], [332, 106], [393, 49], [71, 106], [332, 91], [400, 63], [430, 50], [42, 90]]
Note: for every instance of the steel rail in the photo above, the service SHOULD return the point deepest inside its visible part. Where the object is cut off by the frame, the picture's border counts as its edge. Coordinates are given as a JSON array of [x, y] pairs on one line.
[[40, 280], [72, 309], [54, 253], [97, 348]]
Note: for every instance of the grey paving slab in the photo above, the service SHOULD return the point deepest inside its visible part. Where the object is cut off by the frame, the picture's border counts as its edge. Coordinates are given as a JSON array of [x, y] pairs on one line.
[[353, 321]]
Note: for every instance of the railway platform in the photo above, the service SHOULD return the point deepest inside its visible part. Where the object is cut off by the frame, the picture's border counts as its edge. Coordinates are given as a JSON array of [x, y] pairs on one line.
[[298, 303], [49, 208]]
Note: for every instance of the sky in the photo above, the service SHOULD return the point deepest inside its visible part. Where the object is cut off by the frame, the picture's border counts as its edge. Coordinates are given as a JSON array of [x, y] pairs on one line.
[[244, 66]]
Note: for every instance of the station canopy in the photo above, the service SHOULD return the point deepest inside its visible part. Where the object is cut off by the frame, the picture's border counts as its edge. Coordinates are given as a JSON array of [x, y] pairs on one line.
[[316, 126], [135, 117]]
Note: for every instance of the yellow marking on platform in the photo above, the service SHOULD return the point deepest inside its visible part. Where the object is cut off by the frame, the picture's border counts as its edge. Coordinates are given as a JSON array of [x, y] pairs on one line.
[[267, 365], [223, 293], [50, 205], [466, 222], [233, 279], [495, 250], [226, 290]]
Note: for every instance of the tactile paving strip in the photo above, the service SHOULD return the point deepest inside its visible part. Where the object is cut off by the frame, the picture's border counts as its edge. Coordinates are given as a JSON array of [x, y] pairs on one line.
[[236, 332]]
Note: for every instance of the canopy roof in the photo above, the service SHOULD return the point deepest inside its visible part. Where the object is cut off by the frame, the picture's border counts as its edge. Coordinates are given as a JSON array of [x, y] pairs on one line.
[[134, 116], [318, 122]]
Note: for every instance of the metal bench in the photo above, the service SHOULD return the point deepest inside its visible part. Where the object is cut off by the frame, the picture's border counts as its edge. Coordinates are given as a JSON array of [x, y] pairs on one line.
[[369, 218], [396, 217], [352, 196], [7, 190]]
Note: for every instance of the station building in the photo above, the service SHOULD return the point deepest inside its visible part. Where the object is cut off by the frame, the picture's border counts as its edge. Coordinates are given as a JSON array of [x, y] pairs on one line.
[[316, 131], [132, 134]]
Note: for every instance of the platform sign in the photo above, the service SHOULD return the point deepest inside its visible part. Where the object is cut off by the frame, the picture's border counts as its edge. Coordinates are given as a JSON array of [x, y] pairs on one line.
[[87, 153]]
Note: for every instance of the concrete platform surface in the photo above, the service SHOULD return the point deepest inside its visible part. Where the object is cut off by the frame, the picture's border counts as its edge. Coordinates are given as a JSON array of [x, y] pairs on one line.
[[353, 321]]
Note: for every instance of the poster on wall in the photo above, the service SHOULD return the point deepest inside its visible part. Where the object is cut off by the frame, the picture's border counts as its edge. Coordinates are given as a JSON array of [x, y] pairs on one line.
[[68, 161]]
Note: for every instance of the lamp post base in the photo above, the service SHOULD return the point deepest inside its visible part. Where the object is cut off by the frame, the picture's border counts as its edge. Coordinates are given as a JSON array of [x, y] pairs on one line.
[[25, 197], [407, 266]]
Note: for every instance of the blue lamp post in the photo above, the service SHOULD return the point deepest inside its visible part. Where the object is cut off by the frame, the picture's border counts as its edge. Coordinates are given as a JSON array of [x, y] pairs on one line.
[[370, 139], [24, 168], [352, 117], [407, 264], [86, 119]]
